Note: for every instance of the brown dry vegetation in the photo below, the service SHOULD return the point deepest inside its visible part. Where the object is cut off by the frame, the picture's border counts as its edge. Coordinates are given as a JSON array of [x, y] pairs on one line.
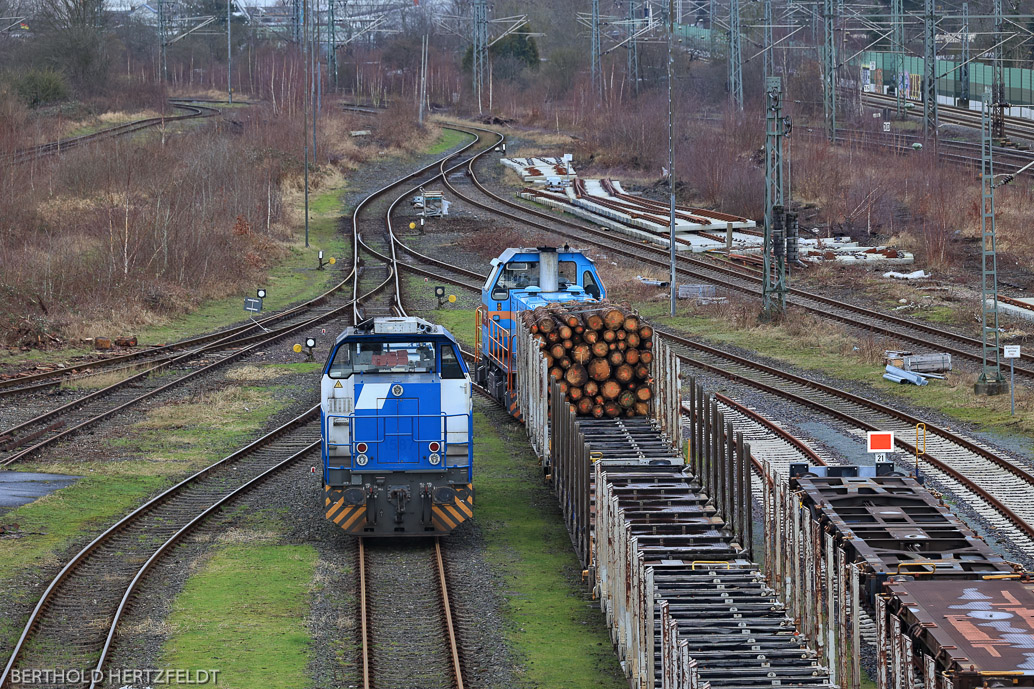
[[129, 231]]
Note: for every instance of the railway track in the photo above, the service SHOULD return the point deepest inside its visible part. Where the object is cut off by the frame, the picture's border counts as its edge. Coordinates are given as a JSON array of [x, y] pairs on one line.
[[922, 336], [952, 115], [965, 154], [226, 337], [28, 437], [76, 619], [996, 488], [408, 638], [41, 430], [403, 585], [80, 610], [193, 111]]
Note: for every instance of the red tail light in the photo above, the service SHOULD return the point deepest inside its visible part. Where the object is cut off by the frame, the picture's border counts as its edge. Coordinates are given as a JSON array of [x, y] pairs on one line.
[[361, 447], [434, 447]]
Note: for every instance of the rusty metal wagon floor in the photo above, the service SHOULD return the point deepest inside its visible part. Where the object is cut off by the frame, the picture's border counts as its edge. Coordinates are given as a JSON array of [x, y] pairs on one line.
[[736, 630]]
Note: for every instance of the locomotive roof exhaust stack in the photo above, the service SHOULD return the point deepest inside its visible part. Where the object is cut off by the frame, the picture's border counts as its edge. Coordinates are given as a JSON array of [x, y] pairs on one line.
[[549, 269]]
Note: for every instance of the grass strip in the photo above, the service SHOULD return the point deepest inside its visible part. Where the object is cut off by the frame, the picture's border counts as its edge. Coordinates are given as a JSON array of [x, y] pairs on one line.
[[559, 634], [245, 614], [448, 139]]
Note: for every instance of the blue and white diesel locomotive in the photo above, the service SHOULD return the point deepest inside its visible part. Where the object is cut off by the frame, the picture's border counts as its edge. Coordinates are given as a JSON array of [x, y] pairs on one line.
[[396, 403], [522, 280]]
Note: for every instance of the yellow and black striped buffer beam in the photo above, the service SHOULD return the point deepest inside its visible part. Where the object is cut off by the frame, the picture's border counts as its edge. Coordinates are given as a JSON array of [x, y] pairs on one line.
[[446, 517]]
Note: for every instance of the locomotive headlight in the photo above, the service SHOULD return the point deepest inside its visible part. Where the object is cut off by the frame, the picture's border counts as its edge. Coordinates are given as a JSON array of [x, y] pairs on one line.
[[396, 390], [434, 458], [361, 460]]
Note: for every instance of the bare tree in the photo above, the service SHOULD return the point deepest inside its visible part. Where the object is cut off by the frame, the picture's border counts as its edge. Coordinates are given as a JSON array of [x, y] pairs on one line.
[[72, 38]]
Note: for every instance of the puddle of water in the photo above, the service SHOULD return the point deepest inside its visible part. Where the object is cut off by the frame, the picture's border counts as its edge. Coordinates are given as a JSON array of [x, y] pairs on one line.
[[18, 488]]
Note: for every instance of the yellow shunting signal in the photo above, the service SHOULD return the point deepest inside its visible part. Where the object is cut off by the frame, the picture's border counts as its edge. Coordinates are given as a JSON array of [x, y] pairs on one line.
[[333, 260], [412, 225], [452, 298], [297, 349]]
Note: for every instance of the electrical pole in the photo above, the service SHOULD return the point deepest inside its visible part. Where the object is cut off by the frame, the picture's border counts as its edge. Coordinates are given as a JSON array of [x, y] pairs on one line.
[[898, 33], [735, 56], [964, 68], [671, 155], [597, 67], [305, 110], [298, 11], [712, 25], [991, 380], [633, 47], [773, 285], [769, 57], [829, 76], [332, 43], [422, 91], [163, 29], [480, 48], [229, 55], [930, 70], [998, 78]]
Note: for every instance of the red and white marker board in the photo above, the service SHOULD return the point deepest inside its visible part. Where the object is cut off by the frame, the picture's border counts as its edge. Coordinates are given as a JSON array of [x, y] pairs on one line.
[[880, 441]]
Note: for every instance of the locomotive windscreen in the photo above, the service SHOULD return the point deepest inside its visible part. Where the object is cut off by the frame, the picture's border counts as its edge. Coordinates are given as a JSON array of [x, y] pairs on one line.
[[382, 357], [372, 357]]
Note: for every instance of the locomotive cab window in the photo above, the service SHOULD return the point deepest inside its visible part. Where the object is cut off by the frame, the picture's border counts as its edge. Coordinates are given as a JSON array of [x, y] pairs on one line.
[[568, 274], [589, 284], [515, 275], [451, 368], [382, 357]]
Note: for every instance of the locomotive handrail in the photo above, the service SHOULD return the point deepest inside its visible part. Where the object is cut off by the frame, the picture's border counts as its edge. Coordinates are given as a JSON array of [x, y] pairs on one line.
[[350, 418]]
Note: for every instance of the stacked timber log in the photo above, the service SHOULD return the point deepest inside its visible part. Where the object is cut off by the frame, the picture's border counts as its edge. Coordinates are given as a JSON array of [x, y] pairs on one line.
[[600, 353]]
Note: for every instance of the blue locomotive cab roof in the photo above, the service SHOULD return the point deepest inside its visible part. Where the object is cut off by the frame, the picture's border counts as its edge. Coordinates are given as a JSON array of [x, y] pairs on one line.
[[517, 277]]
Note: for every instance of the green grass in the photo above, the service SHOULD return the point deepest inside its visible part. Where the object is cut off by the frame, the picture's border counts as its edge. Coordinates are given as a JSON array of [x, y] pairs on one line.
[[245, 613], [938, 314], [559, 634], [56, 519], [167, 445], [459, 322], [449, 138]]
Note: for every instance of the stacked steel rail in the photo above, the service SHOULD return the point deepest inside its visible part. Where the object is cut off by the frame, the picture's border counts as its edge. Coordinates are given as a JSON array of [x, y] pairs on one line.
[[671, 564]]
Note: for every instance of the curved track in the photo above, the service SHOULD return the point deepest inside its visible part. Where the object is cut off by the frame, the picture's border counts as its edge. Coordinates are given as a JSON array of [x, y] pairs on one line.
[[81, 608], [923, 336], [995, 486], [54, 147], [42, 430]]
